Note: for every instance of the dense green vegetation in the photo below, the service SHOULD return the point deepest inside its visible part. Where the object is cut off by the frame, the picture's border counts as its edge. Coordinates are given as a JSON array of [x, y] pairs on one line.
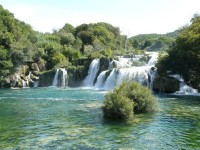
[[153, 42], [17, 42], [21, 45], [184, 56], [69, 47], [129, 98]]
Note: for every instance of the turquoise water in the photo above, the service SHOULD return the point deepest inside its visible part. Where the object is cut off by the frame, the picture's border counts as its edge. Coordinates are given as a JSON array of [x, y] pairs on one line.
[[53, 118]]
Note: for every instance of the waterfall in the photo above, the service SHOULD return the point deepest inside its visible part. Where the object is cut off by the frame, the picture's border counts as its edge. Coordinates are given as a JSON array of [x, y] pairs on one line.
[[55, 80], [24, 84], [123, 69], [93, 69], [154, 59], [36, 84], [184, 88], [152, 74], [111, 80], [60, 78], [101, 79]]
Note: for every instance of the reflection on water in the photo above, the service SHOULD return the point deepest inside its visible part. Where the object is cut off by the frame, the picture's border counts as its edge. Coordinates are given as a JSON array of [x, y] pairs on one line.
[[53, 118]]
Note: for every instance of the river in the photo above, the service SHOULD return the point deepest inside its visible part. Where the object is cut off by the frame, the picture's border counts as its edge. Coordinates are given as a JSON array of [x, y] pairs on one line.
[[71, 118]]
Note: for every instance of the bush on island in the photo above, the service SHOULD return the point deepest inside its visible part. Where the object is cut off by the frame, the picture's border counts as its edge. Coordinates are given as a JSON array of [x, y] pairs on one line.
[[127, 99]]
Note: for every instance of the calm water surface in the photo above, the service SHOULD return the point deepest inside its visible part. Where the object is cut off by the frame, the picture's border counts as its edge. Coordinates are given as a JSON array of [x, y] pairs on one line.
[[53, 118]]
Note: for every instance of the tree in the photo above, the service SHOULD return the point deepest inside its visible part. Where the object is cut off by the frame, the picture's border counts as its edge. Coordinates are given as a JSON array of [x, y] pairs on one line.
[[86, 37], [183, 57], [58, 60], [68, 28], [66, 38]]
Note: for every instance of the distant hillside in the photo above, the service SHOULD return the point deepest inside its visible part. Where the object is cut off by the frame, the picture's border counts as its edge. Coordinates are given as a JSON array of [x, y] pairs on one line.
[[153, 42]]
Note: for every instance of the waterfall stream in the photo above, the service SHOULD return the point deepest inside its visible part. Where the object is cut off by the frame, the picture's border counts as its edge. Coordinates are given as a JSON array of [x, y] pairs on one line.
[[93, 69], [101, 79], [124, 69], [55, 80], [60, 78], [111, 80], [184, 88]]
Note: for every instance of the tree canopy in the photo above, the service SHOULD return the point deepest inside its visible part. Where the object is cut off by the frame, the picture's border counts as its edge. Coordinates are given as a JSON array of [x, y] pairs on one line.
[[184, 56]]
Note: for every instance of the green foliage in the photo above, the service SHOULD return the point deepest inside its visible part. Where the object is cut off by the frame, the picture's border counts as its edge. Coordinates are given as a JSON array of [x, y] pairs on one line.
[[128, 98], [184, 56], [58, 60], [86, 37], [17, 41], [117, 105], [153, 42], [66, 38], [107, 53], [71, 53], [68, 28]]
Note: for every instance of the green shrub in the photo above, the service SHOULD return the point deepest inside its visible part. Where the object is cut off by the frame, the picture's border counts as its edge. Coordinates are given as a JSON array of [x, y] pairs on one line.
[[127, 99], [59, 60]]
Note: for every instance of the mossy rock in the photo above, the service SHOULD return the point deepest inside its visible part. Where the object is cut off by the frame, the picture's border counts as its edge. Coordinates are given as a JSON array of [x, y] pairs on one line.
[[24, 69], [104, 64], [20, 83], [166, 84], [31, 84], [35, 67], [76, 75], [5, 83], [34, 78], [46, 78], [85, 61]]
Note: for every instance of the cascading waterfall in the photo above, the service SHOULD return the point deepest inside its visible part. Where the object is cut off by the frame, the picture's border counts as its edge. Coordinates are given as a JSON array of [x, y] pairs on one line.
[[111, 80], [55, 80], [36, 84], [154, 58], [184, 88], [24, 84], [138, 74], [63, 80], [60, 78], [93, 69], [101, 79], [152, 74], [123, 69]]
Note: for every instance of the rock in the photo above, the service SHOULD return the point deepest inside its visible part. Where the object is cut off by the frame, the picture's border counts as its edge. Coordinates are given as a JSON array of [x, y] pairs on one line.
[[76, 75], [22, 70], [34, 67], [78, 71], [34, 78], [166, 84], [15, 80], [5, 83], [104, 64], [41, 65], [46, 78], [20, 83], [31, 84]]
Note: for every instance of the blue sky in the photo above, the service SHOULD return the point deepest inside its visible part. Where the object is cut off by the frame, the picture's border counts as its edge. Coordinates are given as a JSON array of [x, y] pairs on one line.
[[132, 16]]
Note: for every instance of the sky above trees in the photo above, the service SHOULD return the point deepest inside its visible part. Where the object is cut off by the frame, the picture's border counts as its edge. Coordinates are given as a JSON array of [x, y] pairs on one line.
[[132, 16]]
